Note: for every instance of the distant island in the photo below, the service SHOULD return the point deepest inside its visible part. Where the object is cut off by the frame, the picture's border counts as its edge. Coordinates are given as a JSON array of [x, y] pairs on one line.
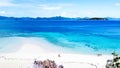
[[57, 18]]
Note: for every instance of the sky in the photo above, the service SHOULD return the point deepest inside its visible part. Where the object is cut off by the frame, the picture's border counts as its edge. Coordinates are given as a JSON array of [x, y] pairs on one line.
[[65, 8]]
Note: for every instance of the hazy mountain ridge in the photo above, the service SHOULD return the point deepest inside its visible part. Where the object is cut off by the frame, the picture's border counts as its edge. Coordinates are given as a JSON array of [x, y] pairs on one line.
[[57, 18]]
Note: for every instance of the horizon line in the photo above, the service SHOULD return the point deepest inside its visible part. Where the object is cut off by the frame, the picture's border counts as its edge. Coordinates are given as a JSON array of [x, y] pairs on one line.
[[55, 16]]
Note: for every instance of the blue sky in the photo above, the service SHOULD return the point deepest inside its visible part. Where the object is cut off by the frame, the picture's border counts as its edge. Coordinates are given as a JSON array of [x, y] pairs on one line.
[[66, 8]]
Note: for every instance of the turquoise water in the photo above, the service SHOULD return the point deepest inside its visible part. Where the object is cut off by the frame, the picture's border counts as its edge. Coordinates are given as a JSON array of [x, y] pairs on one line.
[[86, 37], [78, 42]]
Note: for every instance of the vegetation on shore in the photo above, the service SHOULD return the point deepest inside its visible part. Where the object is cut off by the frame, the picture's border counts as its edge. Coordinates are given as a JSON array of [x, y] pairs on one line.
[[115, 62], [116, 59]]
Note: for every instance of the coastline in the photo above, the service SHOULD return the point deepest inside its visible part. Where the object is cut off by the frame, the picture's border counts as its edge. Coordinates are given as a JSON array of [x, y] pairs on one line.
[[26, 55]]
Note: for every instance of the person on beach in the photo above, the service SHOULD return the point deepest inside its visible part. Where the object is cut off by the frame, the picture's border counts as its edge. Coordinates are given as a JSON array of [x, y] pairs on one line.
[[59, 55]]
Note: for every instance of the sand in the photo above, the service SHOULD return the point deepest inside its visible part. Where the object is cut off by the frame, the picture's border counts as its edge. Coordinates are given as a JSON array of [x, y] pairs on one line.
[[25, 56]]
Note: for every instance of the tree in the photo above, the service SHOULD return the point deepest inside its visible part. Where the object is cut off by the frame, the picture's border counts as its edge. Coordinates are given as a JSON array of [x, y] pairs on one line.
[[116, 59]]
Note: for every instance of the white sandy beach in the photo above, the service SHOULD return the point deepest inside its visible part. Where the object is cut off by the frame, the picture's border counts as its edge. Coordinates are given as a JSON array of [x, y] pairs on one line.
[[26, 55]]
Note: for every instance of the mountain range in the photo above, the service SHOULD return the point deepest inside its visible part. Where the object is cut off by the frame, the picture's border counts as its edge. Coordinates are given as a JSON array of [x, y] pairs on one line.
[[57, 18]]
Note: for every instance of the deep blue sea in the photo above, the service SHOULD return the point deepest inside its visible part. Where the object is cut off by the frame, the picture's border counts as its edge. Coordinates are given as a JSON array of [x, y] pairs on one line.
[[89, 37]]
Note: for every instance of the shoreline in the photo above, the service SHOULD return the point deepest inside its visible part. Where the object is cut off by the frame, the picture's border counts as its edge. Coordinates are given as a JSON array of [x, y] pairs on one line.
[[25, 60], [42, 45], [30, 50]]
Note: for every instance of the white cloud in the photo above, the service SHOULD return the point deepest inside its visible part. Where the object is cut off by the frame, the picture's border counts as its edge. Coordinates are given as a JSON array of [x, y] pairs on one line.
[[91, 12], [117, 4], [2, 12], [55, 6], [5, 3], [63, 13], [47, 7]]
